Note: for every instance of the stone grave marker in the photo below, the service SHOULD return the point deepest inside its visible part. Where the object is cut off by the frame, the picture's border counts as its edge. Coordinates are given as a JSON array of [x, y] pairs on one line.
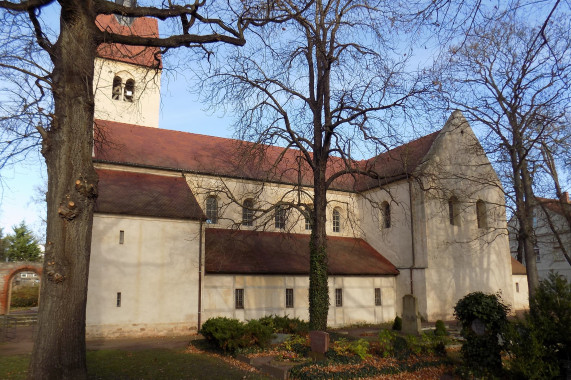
[[319, 342], [410, 318]]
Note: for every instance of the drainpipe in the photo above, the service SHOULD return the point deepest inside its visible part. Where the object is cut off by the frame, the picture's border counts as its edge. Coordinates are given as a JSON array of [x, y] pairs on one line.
[[199, 276], [411, 234]]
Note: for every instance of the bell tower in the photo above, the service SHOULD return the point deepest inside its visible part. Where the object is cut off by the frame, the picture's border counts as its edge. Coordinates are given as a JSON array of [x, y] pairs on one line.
[[127, 79]]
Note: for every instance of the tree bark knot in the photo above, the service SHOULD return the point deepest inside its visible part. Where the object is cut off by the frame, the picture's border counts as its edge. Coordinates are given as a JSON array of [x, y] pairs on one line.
[[68, 209], [86, 189], [53, 275]]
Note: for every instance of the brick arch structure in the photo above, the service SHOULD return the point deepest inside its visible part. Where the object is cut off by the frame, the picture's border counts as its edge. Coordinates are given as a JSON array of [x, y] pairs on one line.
[[7, 273]]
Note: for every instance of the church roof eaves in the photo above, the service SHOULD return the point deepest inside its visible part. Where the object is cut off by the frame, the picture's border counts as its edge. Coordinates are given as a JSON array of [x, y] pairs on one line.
[[279, 253], [142, 194], [195, 153]]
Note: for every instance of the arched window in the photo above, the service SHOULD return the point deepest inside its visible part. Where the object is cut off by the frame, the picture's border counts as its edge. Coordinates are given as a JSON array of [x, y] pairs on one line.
[[248, 213], [280, 217], [117, 92], [453, 211], [211, 210], [386, 213], [481, 214], [307, 216], [336, 221], [129, 90]]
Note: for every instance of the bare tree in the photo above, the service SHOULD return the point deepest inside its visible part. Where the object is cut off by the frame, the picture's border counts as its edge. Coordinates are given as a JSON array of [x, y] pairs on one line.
[[513, 80], [325, 84], [59, 88]]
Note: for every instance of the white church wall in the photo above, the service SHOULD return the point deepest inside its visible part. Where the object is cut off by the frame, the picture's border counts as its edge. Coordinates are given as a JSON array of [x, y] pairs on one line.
[[266, 295], [463, 257], [156, 271], [231, 193], [144, 107], [521, 293]]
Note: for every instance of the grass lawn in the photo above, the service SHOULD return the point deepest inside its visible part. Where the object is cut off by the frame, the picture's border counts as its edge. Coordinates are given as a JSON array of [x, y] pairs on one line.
[[147, 364]]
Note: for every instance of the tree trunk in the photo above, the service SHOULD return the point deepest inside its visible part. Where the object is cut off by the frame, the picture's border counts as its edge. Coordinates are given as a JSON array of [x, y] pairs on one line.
[[318, 288], [59, 349], [528, 230]]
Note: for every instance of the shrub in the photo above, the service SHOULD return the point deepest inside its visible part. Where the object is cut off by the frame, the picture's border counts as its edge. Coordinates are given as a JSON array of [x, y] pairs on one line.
[[257, 334], [285, 325], [231, 334], [482, 349], [529, 358], [386, 343], [440, 328], [397, 324], [298, 344], [550, 314], [25, 296], [540, 345]]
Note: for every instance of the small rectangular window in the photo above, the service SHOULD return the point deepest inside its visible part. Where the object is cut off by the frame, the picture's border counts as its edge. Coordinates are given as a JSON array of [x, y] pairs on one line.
[[307, 224], [118, 299], [537, 254], [121, 237], [378, 300], [517, 287], [338, 297], [289, 297], [239, 295]]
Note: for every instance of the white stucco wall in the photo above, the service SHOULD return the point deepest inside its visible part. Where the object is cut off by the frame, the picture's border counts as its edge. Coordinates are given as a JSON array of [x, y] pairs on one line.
[[231, 193], [464, 257], [521, 293], [144, 110], [265, 295], [156, 271]]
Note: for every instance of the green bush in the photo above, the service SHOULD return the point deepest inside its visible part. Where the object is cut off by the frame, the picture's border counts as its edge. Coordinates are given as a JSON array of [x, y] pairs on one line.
[[344, 347], [397, 324], [298, 344], [529, 358], [482, 350], [440, 328], [25, 296], [540, 345], [231, 334], [285, 325], [550, 314], [386, 343]]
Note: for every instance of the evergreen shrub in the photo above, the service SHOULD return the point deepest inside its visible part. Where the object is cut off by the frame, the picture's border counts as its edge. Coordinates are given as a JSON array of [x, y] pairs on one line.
[[230, 334], [397, 324], [484, 320], [440, 328], [540, 346]]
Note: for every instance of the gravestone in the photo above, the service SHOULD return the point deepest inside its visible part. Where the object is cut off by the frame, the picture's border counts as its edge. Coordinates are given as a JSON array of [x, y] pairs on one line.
[[410, 318], [319, 341]]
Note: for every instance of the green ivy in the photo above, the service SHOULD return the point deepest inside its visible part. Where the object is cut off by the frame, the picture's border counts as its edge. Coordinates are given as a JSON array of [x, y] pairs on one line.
[[318, 287]]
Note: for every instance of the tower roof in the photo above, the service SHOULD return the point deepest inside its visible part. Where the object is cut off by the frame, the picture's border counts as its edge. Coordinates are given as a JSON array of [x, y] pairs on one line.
[[136, 55]]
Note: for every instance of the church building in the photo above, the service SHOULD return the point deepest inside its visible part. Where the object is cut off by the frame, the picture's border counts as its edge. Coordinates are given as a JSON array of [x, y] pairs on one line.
[[187, 227]]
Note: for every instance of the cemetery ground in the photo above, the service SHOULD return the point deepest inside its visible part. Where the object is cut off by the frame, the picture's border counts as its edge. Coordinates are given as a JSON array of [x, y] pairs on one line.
[[175, 358]]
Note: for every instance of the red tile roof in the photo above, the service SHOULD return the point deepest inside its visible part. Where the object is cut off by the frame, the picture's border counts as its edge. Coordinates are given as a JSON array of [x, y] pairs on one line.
[[139, 194], [160, 148], [517, 267], [137, 55], [555, 205], [266, 253], [397, 162]]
